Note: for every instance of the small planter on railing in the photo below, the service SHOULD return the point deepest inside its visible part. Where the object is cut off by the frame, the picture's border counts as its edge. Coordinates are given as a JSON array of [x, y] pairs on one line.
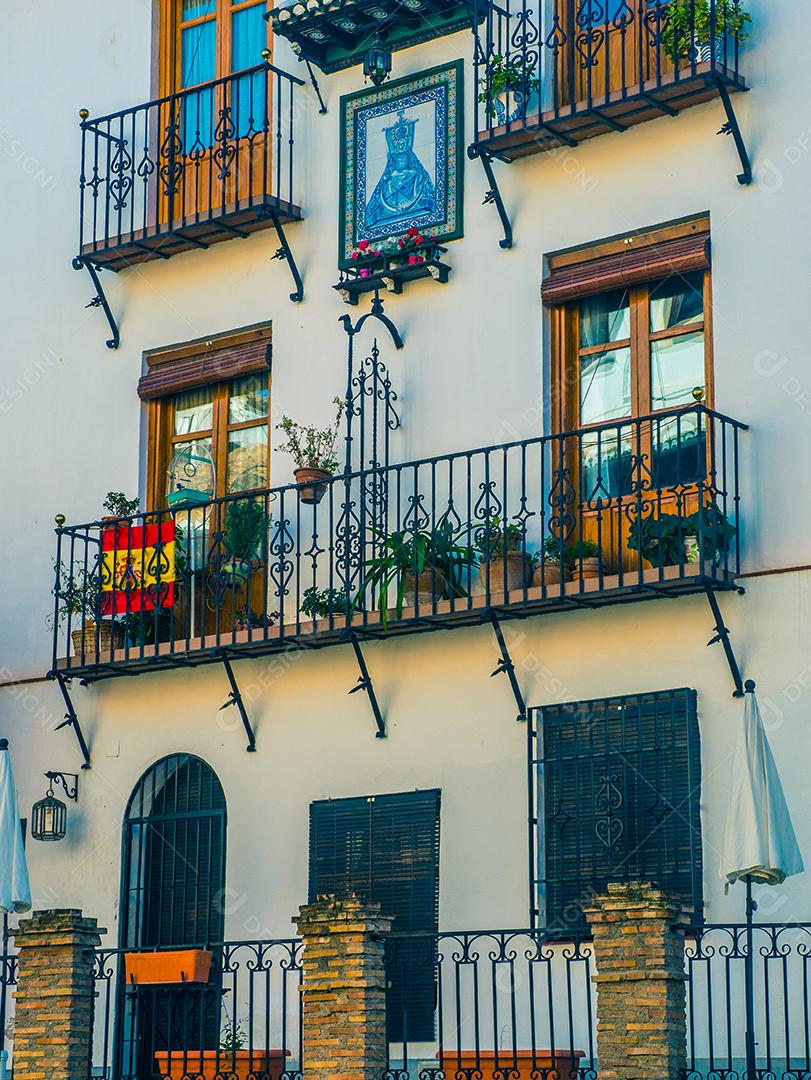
[[211, 1064], [167, 967], [393, 265]]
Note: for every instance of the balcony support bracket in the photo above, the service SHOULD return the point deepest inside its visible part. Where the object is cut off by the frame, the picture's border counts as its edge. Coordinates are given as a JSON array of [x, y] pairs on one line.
[[99, 300], [365, 683], [285, 254], [71, 719], [235, 698], [507, 667], [493, 195], [722, 636], [322, 107], [732, 127]]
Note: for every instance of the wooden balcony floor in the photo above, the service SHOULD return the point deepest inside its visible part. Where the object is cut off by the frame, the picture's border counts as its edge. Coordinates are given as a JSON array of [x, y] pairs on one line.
[[672, 581], [634, 105], [161, 241]]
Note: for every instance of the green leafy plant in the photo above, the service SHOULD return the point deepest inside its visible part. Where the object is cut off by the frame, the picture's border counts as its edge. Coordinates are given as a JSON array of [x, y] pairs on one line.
[[312, 447], [246, 618], [79, 593], [714, 531], [514, 73], [688, 23], [232, 1033], [320, 603], [244, 529], [495, 538], [552, 550], [581, 549], [660, 539], [118, 505], [407, 552]]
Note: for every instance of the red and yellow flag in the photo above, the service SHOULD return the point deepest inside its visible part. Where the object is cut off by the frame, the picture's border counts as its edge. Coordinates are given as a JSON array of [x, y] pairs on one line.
[[137, 568]]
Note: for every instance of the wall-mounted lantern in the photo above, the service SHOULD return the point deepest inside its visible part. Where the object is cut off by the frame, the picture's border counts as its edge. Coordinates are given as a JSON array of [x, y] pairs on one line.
[[49, 815], [377, 61]]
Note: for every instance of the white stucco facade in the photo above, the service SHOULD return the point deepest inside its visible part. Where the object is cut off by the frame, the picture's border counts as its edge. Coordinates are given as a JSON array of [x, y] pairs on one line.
[[474, 371]]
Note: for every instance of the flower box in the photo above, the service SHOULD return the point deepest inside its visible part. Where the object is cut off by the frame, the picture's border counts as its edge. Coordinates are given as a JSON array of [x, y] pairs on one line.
[[158, 968], [391, 272], [517, 1065], [210, 1064]]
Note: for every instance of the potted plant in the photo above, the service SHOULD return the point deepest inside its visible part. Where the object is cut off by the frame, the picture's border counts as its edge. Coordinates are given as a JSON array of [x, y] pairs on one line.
[[365, 255], [321, 603], [509, 89], [422, 567], [584, 558], [688, 29], [314, 452], [244, 530], [79, 597], [119, 506], [710, 533], [505, 563], [662, 540], [550, 562]]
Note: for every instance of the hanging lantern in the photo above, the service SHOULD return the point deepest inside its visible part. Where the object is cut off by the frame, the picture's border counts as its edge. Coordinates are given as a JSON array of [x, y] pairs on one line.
[[49, 815], [377, 62]]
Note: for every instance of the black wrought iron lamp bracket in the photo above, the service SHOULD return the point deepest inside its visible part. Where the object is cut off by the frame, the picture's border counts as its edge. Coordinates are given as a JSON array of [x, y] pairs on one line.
[[69, 783], [235, 698], [71, 719], [722, 636], [493, 194], [507, 667], [322, 108], [285, 254], [365, 683], [375, 312], [732, 127], [100, 299]]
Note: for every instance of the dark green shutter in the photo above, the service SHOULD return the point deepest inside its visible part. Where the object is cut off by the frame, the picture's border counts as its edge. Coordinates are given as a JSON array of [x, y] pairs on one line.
[[618, 790], [385, 848]]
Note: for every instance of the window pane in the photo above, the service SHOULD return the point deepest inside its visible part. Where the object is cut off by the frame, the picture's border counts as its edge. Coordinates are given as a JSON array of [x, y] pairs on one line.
[[194, 411], [195, 9], [248, 458], [250, 36], [679, 451], [677, 301], [676, 368], [608, 465], [249, 399], [605, 386], [198, 53], [191, 466], [605, 318]]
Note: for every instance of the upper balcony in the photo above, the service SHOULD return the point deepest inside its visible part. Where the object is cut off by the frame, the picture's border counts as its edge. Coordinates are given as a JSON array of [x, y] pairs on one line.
[[552, 73], [635, 509], [187, 170]]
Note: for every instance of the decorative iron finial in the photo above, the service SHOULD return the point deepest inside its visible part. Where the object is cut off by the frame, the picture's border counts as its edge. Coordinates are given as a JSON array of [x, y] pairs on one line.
[[266, 55], [60, 520], [698, 393], [84, 114]]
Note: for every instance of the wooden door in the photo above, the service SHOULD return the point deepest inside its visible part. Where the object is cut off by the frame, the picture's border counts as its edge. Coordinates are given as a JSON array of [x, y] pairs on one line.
[[215, 143], [611, 47]]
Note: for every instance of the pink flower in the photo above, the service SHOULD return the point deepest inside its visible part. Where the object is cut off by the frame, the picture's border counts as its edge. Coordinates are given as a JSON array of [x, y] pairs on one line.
[[362, 245], [354, 254], [413, 232]]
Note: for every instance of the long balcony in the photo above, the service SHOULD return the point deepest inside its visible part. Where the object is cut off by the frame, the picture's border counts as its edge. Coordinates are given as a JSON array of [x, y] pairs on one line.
[[551, 75], [637, 509], [186, 171]]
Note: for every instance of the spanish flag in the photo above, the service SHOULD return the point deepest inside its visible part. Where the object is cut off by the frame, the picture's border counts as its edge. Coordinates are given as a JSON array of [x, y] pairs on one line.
[[137, 568]]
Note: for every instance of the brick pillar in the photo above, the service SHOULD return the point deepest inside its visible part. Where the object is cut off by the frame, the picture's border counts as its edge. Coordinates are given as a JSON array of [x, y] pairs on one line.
[[343, 990], [52, 1027], [641, 1020]]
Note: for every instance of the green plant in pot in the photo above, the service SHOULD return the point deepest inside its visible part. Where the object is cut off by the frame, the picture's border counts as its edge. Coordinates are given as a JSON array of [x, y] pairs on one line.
[[505, 564], [585, 559], [661, 540], [416, 566], [509, 88], [688, 30], [321, 603], [314, 451], [244, 536], [550, 563], [118, 505], [713, 533], [78, 605]]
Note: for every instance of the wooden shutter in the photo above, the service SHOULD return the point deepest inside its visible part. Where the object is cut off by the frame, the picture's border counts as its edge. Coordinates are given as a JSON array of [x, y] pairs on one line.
[[639, 263], [385, 848], [204, 368], [621, 782]]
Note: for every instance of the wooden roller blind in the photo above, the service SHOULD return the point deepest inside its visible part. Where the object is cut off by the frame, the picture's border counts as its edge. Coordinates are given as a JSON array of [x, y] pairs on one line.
[[632, 266], [201, 369]]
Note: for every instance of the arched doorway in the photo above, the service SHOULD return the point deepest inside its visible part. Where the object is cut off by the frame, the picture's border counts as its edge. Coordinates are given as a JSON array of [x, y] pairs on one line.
[[172, 882]]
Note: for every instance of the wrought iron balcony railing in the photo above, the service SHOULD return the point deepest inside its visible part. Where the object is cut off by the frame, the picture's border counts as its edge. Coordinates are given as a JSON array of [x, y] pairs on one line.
[[552, 74], [187, 170], [637, 508]]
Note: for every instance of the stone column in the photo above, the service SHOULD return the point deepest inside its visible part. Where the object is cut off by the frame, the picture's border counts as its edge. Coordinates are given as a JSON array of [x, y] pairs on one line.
[[641, 1018], [54, 1011], [343, 990]]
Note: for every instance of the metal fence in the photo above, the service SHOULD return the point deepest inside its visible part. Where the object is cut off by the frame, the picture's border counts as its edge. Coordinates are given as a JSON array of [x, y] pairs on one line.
[[8, 981], [650, 504]]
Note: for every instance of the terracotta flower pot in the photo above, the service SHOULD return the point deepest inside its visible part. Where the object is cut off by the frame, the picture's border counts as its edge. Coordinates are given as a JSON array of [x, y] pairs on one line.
[[110, 635], [157, 968], [424, 588], [511, 572], [313, 483], [548, 573], [241, 1064], [587, 568], [523, 1065]]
